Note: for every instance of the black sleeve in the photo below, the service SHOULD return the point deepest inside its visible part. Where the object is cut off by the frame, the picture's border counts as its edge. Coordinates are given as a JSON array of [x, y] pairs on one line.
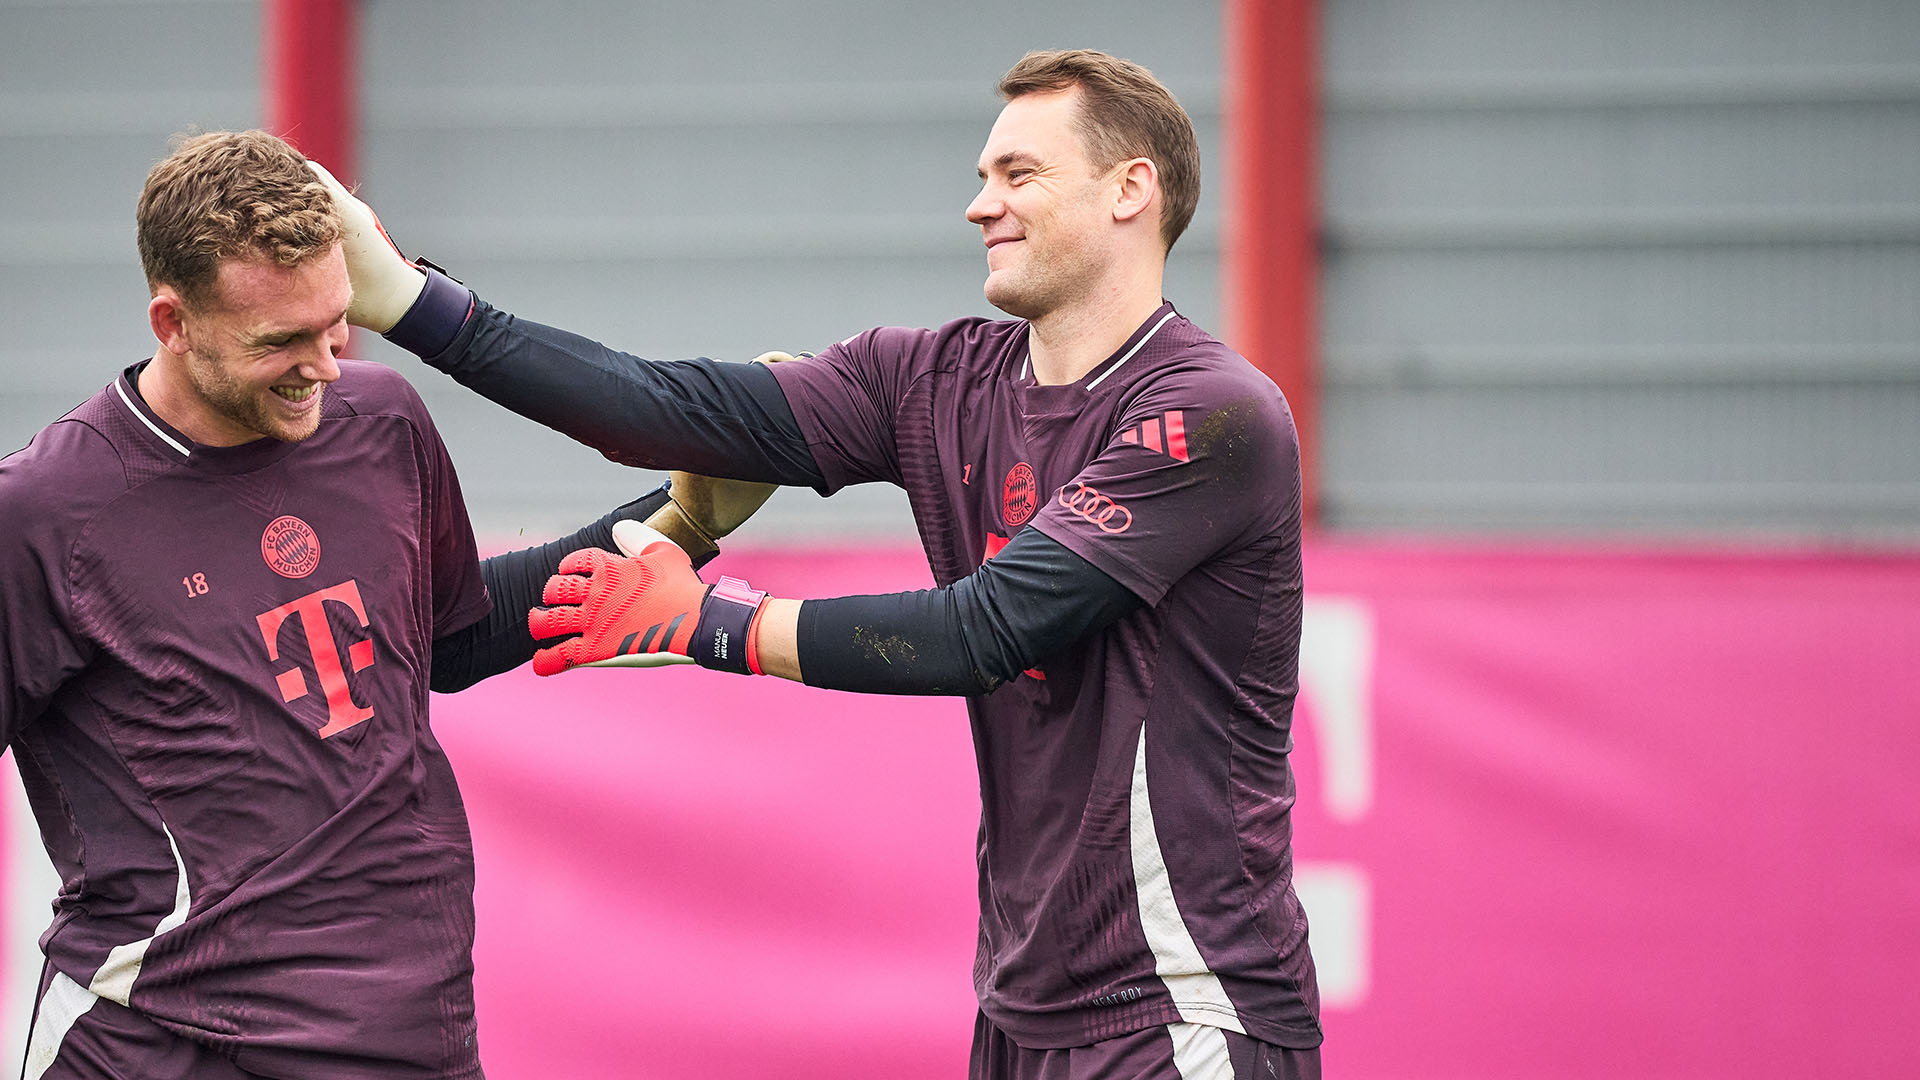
[[718, 419], [1031, 600], [501, 641]]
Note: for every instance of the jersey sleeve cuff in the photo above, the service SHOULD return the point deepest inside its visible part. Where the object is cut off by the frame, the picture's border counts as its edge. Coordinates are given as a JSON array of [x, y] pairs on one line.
[[430, 325]]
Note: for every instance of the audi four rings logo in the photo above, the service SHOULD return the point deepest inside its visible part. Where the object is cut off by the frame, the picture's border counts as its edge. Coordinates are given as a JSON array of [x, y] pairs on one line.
[[1110, 516]]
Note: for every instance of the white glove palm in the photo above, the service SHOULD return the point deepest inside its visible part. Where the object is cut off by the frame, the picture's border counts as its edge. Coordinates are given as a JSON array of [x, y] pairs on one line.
[[385, 284]]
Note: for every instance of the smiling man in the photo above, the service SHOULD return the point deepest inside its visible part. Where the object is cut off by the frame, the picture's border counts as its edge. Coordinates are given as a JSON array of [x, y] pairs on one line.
[[1110, 502], [230, 580], [253, 352]]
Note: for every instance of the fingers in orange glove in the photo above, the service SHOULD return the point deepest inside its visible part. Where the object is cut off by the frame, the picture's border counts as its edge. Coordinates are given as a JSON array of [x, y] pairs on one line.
[[618, 605]]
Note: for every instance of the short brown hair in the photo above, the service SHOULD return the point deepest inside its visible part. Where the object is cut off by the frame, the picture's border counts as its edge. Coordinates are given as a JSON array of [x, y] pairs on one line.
[[1124, 113], [228, 194]]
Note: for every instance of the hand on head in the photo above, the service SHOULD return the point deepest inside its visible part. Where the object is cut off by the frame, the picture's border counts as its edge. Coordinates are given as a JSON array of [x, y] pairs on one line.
[[385, 284]]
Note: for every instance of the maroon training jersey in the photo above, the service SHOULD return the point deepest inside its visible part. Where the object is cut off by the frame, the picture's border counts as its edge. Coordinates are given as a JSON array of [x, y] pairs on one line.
[[1135, 858], [214, 676]]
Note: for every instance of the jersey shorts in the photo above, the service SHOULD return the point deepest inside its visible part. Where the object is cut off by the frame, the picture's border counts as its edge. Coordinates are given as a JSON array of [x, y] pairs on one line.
[[1180, 1051]]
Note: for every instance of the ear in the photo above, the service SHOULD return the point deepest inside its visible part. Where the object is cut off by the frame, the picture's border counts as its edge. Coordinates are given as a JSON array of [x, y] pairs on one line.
[[1139, 181], [167, 314]]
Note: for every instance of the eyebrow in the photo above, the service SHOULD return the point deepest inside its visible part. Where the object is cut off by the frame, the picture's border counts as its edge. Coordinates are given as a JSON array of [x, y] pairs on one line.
[[275, 333], [288, 333], [1011, 157]]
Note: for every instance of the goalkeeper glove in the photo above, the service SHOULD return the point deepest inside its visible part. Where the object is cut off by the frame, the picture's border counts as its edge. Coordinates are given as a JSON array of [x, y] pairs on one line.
[[385, 284], [645, 606], [701, 509]]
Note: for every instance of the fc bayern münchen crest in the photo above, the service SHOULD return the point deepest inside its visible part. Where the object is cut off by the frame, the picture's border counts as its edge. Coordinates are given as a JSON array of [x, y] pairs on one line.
[[290, 547], [1019, 496]]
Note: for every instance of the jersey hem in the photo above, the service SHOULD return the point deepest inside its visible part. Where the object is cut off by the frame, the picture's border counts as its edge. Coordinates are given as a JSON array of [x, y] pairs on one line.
[[464, 616]]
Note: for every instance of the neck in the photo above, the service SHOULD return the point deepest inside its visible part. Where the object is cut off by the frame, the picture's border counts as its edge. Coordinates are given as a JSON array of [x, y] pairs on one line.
[[1067, 343], [163, 386], [156, 389]]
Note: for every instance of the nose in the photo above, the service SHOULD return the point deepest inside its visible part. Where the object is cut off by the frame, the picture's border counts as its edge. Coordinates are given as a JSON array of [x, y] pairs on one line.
[[985, 206], [320, 365]]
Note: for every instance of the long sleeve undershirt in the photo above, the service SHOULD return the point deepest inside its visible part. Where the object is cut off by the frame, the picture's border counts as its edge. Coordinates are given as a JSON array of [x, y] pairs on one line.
[[1033, 599], [500, 641]]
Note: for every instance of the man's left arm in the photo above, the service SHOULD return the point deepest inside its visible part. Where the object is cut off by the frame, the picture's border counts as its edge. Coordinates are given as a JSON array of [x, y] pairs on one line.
[[1196, 469], [500, 641], [1033, 599], [694, 512]]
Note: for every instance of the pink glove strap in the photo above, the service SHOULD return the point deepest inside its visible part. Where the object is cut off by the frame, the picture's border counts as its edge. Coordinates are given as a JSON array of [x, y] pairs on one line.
[[729, 615]]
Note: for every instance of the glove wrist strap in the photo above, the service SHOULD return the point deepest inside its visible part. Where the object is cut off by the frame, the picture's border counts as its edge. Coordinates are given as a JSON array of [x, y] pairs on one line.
[[436, 317], [723, 639]]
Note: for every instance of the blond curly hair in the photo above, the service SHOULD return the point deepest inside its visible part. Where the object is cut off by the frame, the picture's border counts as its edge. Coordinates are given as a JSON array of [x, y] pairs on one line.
[[230, 194]]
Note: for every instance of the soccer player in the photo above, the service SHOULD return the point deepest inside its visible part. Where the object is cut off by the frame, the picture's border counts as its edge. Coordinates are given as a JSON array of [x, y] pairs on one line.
[[230, 579], [1109, 499]]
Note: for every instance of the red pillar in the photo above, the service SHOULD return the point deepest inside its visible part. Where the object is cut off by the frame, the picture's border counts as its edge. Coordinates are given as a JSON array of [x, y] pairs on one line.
[[1271, 268], [312, 79]]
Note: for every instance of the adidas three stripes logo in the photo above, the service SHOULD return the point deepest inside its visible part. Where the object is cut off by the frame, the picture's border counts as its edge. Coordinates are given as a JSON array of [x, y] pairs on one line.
[[627, 647], [1165, 434]]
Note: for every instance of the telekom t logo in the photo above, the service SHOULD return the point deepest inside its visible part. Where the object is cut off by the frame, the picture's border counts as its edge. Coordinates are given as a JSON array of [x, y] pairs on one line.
[[342, 711]]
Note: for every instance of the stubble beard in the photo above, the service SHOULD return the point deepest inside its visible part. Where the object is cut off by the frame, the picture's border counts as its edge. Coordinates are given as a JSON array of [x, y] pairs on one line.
[[212, 380], [1036, 288], [1059, 267]]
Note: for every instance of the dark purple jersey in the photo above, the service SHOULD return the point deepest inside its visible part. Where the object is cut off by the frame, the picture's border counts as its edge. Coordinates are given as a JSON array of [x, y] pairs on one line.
[[1135, 841], [214, 669]]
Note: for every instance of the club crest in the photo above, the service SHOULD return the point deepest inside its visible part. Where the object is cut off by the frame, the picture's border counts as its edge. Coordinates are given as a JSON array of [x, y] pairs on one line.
[[1019, 496], [290, 547]]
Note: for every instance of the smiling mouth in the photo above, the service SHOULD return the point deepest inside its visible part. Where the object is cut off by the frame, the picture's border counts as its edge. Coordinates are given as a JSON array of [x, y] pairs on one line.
[[297, 393]]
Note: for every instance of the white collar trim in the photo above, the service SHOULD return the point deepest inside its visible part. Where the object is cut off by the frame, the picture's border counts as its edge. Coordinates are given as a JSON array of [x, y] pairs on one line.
[[142, 417], [1141, 344]]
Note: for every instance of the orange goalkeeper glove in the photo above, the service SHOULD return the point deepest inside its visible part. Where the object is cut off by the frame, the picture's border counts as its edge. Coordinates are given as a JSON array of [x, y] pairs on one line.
[[642, 608]]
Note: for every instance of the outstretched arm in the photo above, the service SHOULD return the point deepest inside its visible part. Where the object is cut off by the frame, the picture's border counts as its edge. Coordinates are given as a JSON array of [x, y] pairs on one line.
[[692, 511], [1032, 600]]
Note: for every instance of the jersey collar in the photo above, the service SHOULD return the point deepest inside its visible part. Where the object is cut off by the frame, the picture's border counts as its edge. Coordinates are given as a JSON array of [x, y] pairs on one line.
[[172, 444], [166, 438], [1146, 332]]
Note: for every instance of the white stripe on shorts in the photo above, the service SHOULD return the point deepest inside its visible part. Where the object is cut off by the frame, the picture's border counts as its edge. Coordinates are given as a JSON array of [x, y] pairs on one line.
[[65, 1002], [1200, 1052]]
